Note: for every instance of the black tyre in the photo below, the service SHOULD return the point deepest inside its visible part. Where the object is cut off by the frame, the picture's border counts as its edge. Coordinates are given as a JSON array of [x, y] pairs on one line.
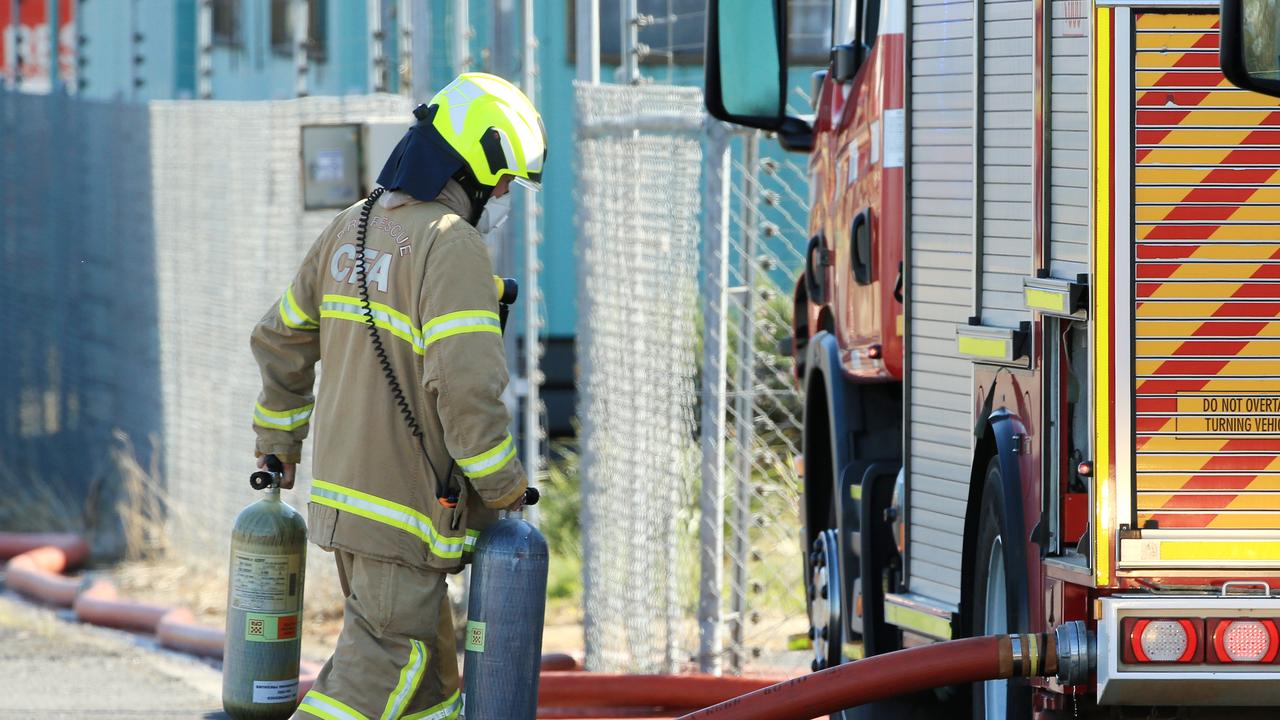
[[996, 598]]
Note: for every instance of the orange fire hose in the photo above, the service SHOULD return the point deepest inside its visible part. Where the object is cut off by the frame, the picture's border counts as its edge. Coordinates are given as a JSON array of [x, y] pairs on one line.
[[74, 548], [897, 673], [100, 604], [38, 573]]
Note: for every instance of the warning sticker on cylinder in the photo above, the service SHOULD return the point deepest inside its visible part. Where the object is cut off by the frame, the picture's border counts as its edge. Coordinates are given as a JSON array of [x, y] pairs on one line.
[[475, 636], [265, 583], [270, 628], [275, 691]]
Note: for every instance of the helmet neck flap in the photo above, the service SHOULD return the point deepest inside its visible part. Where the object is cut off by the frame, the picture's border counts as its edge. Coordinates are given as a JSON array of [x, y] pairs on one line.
[[423, 162]]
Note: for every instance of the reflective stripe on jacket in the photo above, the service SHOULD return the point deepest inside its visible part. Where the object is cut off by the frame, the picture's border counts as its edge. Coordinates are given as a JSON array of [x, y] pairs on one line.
[[431, 299]]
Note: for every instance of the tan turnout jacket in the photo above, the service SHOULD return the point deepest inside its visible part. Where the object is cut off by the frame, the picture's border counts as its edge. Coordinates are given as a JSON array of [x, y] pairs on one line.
[[432, 297]]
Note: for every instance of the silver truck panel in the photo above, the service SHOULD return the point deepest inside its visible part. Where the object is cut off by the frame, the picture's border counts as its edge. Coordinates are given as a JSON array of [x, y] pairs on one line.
[[941, 259], [1069, 138]]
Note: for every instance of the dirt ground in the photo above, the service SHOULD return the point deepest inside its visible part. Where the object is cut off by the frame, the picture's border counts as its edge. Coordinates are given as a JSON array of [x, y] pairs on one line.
[[55, 669]]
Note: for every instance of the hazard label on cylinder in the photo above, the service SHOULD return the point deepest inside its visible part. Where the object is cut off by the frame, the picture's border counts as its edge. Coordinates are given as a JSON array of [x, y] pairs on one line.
[[270, 628], [275, 691], [265, 583]]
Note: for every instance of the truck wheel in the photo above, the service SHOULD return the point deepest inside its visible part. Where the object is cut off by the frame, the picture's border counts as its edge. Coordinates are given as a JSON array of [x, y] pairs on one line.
[[994, 611], [826, 621]]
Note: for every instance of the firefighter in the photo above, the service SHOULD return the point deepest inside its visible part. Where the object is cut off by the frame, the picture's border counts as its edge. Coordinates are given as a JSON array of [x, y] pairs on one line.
[[412, 455]]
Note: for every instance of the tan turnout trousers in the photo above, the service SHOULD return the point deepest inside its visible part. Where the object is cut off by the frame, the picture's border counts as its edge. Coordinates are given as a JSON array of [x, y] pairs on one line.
[[396, 656]]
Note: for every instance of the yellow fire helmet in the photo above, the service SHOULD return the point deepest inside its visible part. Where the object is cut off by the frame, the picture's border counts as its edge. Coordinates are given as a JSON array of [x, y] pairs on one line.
[[493, 127]]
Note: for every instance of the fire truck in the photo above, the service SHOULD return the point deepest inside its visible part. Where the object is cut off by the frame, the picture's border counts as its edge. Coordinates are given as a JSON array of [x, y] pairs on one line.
[[1038, 336]]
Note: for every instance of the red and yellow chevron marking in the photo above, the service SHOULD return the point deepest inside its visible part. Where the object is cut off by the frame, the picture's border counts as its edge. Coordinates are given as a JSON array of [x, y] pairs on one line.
[[1169, 23], [1202, 270], [1208, 483], [1204, 232], [1177, 41], [1209, 157], [1225, 349], [1190, 212], [1173, 443], [1216, 519], [1247, 309], [1207, 292], [1177, 78], [1147, 60], [1206, 137], [1197, 178], [1232, 197]]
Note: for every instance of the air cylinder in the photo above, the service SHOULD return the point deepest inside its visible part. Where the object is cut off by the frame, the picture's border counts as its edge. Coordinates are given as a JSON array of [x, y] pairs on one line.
[[503, 639], [264, 606]]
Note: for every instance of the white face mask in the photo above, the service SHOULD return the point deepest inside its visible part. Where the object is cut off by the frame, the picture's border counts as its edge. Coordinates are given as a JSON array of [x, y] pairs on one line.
[[494, 214]]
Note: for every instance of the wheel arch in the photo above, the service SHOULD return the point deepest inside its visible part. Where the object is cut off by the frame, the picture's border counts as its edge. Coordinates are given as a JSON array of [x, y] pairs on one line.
[[826, 409], [997, 436]]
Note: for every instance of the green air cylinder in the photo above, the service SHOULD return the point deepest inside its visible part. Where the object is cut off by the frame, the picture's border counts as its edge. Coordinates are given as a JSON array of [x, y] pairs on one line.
[[264, 607]]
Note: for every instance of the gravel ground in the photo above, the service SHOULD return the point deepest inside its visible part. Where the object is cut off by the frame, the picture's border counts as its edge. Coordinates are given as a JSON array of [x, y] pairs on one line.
[[51, 667]]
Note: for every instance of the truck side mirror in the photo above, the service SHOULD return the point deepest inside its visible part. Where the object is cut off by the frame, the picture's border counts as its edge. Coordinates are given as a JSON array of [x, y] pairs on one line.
[[1250, 44], [746, 66]]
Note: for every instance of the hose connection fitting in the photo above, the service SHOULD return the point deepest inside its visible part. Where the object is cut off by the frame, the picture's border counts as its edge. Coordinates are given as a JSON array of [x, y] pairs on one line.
[[1069, 653], [1077, 652]]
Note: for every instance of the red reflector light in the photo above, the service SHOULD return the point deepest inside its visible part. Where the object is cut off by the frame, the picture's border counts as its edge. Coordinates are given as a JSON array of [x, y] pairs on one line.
[[1162, 640], [1243, 640]]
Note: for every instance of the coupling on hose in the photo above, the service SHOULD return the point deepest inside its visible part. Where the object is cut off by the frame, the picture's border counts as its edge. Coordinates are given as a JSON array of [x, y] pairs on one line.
[[1069, 653], [1077, 652]]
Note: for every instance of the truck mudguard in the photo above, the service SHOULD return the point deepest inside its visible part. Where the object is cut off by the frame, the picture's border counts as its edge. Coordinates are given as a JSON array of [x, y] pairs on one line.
[[844, 410], [1006, 431]]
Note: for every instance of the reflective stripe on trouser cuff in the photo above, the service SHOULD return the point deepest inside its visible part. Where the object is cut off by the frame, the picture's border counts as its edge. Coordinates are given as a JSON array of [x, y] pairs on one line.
[[384, 316], [444, 711], [282, 419], [457, 323], [323, 706], [489, 462], [401, 517], [292, 314], [410, 676]]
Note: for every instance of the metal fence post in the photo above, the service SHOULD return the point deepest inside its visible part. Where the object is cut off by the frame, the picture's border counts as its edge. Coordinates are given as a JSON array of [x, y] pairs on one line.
[[377, 60], [532, 320], [420, 72], [461, 36], [744, 408], [136, 58], [628, 67], [587, 40], [404, 27], [204, 50], [301, 31], [715, 270]]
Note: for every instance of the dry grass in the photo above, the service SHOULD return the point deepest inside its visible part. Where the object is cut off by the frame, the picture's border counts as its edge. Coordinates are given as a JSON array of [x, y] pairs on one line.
[[126, 503], [122, 514], [34, 507]]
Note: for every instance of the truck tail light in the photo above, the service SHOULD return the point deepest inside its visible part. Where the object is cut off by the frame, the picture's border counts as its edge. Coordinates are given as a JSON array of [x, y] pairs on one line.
[[1243, 640], [1162, 640]]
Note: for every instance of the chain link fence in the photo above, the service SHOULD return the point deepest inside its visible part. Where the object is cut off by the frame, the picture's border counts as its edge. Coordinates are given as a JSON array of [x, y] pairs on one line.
[[689, 240], [637, 337]]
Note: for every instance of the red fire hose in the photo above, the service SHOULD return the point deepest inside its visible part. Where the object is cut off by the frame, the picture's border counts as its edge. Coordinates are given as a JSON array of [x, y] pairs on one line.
[[898, 673]]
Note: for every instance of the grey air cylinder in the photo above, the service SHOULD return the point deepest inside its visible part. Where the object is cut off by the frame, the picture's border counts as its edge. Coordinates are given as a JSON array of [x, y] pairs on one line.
[[503, 639], [264, 609]]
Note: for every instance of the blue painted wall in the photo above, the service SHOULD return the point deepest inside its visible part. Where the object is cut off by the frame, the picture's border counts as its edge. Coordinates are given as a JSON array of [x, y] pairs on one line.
[[252, 71]]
